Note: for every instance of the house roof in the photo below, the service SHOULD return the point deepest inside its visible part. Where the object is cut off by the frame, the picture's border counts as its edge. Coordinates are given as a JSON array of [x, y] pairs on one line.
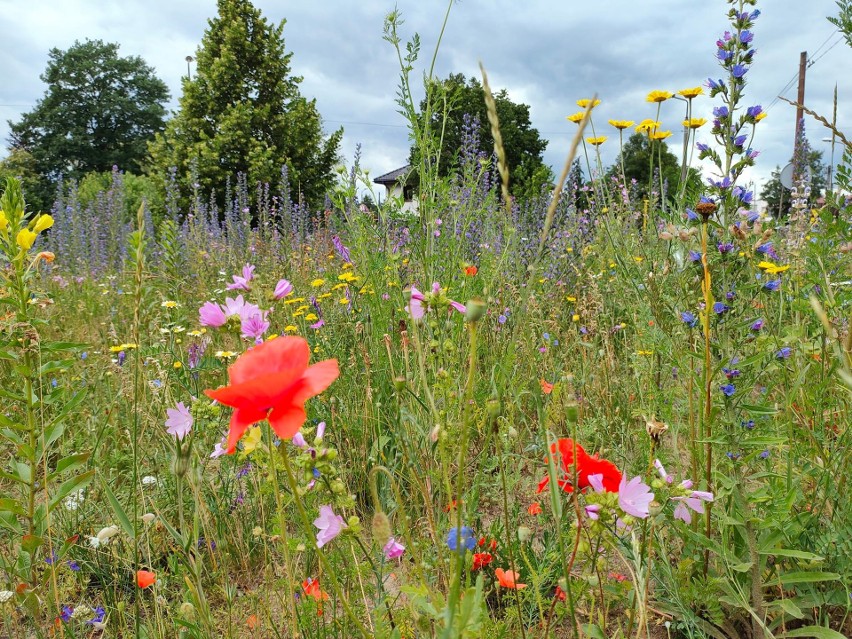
[[394, 177]]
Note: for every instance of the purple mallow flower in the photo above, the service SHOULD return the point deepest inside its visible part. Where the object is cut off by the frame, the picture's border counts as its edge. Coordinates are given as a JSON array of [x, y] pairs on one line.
[[179, 421], [329, 525], [634, 497]]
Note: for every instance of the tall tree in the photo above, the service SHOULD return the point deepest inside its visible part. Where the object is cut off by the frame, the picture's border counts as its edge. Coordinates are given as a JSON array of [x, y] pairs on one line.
[[522, 142], [99, 111], [243, 113], [636, 155]]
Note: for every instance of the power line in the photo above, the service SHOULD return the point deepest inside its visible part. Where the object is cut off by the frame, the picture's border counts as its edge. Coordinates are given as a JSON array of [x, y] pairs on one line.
[[815, 60]]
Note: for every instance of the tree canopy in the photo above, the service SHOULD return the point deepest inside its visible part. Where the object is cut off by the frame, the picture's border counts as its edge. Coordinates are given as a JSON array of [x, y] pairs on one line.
[[636, 155], [243, 113], [523, 144], [99, 111]]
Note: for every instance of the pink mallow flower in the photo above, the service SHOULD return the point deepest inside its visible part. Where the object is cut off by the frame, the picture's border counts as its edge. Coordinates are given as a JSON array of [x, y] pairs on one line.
[[661, 469], [241, 283], [634, 497], [416, 307], [694, 500], [254, 325], [329, 524], [179, 421], [211, 314], [282, 289], [393, 549]]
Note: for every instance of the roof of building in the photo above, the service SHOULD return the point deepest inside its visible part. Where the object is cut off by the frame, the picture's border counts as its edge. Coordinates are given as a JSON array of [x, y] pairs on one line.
[[395, 176]]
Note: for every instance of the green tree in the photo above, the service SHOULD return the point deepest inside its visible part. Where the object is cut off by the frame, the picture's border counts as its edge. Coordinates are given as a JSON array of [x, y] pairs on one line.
[[523, 144], [21, 165], [99, 111], [243, 113]]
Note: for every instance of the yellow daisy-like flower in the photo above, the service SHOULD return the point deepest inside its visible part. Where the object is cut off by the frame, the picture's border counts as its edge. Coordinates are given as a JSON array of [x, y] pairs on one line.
[[337, 287], [621, 124], [197, 333], [695, 123], [225, 354], [177, 365], [571, 298], [298, 313], [760, 116], [575, 317], [773, 269], [576, 118], [644, 352], [646, 126], [659, 96], [168, 304], [317, 282], [691, 93], [324, 296], [347, 277], [343, 301], [660, 135], [295, 300], [290, 328], [583, 103], [303, 307], [311, 317], [596, 141]]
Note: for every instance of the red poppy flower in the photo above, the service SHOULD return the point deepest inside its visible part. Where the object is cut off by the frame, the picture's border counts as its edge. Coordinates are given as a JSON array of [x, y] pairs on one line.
[[534, 508], [559, 594], [145, 578], [312, 589], [272, 381], [481, 559], [508, 579], [546, 387], [563, 455], [470, 271]]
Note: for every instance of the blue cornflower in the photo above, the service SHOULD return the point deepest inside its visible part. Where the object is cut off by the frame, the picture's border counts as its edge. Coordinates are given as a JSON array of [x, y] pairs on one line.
[[689, 319], [764, 454], [720, 307], [757, 325], [728, 389], [100, 613], [66, 613], [739, 70], [784, 353], [772, 285], [468, 540], [694, 256]]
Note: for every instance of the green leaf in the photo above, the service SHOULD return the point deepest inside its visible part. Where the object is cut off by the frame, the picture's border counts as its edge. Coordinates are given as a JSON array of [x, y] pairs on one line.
[[790, 608], [10, 505], [758, 410], [820, 632], [788, 552], [66, 410], [69, 486], [57, 365], [743, 567], [62, 346], [806, 578], [71, 462], [123, 519], [593, 630], [8, 355], [31, 543]]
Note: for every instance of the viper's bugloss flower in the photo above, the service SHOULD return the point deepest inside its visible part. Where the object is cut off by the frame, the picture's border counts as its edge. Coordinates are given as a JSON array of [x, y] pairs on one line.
[[459, 540]]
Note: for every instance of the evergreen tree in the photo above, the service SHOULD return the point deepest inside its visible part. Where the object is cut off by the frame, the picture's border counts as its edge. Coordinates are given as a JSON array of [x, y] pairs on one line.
[[243, 113]]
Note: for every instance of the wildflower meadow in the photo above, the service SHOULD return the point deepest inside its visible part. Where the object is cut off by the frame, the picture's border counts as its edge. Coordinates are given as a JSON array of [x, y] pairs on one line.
[[609, 410]]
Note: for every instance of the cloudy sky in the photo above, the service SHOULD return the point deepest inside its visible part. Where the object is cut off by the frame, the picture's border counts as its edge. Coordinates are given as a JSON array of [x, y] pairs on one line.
[[546, 53]]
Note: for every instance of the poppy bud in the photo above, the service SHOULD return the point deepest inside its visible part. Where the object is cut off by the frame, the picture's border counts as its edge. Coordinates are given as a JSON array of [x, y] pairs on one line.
[[572, 412], [493, 408], [475, 310], [654, 508], [399, 383], [524, 533], [381, 528], [187, 611]]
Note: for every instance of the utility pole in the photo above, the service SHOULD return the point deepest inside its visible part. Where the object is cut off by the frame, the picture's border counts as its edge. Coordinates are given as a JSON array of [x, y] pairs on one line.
[[803, 66]]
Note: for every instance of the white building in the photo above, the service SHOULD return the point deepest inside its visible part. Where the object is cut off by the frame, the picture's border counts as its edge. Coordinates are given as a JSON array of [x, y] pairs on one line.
[[400, 185]]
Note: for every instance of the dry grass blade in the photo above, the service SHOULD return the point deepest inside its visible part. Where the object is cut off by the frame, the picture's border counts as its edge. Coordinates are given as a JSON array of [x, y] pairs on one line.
[[557, 190], [821, 119], [493, 120]]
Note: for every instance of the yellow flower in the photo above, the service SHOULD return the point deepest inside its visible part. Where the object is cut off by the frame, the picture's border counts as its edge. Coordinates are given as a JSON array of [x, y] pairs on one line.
[[295, 300], [660, 135], [43, 223], [317, 282], [4, 221], [658, 96], [337, 287], [773, 269], [576, 118], [691, 93], [115, 349], [168, 304], [694, 123], [638, 259], [177, 365], [760, 116], [621, 124], [343, 301], [584, 103], [178, 329], [225, 354], [303, 307], [596, 141], [25, 239], [646, 126], [298, 313], [575, 317], [324, 296], [251, 440], [311, 317], [290, 328], [644, 352], [197, 333], [571, 298], [271, 337], [347, 277]]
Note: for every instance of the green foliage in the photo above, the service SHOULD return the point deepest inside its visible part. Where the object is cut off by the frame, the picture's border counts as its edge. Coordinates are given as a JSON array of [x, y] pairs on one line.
[[641, 157], [460, 97], [99, 111], [21, 164], [132, 189], [243, 113]]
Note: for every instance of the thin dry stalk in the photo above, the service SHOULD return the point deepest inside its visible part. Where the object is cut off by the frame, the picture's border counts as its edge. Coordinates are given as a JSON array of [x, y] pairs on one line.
[[828, 125], [494, 121]]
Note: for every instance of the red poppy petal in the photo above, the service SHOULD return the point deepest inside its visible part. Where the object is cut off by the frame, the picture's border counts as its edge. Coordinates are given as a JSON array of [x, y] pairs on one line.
[[542, 485], [261, 392], [317, 378], [241, 419], [283, 355], [287, 419]]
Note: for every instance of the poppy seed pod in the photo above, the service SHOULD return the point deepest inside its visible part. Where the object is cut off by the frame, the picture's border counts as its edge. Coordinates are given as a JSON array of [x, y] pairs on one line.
[[475, 310]]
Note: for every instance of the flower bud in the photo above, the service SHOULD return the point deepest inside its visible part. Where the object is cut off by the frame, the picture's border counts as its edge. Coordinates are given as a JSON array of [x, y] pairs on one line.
[[524, 533], [493, 408], [381, 528], [475, 310], [187, 610], [399, 383]]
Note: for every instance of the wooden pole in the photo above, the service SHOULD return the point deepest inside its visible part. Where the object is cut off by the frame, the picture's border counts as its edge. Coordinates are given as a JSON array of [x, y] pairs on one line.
[[803, 66]]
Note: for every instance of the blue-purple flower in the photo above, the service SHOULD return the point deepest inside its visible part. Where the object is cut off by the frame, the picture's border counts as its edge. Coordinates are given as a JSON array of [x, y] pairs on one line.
[[728, 389]]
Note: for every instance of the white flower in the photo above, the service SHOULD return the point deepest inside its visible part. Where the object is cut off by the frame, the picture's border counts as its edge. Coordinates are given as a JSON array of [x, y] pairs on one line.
[[73, 501], [94, 542], [81, 611], [106, 534], [6, 595], [149, 480]]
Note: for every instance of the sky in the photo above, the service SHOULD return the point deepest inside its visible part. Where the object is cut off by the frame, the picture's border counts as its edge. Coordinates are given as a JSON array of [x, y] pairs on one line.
[[545, 53]]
